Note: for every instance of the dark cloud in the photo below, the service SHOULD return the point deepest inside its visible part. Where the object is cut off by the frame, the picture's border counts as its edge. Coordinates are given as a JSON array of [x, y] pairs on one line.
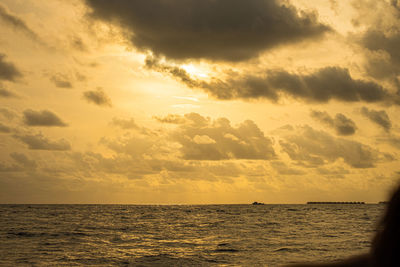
[[16, 22], [313, 148], [42, 118], [98, 97], [379, 117], [23, 160], [330, 83], [203, 139], [61, 81], [8, 72], [4, 128], [6, 93], [39, 142], [381, 37], [230, 30], [382, 66], [341, 124], [125, 123]]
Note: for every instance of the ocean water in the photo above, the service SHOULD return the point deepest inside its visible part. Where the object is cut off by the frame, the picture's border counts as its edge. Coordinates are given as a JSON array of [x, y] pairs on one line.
[[183, 235]]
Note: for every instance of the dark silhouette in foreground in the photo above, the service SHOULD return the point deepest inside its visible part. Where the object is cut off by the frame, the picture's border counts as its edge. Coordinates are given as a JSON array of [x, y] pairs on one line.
[[385, 250]]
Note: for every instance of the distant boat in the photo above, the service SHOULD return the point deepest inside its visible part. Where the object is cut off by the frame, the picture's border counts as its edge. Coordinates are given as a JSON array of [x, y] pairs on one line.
[[257, 203], [333, 202], [383, 202]]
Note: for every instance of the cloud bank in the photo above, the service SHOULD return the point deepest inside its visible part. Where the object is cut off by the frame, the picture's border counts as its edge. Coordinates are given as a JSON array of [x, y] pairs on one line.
[[312, 148], [203, 139]]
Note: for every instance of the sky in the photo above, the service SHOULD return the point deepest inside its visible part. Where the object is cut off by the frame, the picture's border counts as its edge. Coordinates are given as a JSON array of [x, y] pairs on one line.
[[199, 102]]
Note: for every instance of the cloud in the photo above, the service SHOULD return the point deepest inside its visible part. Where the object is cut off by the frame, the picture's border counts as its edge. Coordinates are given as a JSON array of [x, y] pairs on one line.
[[329, 83], [4, 128], [384, 61], [381, 37], [341, 124], [312, 148], [197, 138], [321, 86], [23, 160], [7, 113], [42, 118], [135, 145], [39, 142], [229, 30], [393, 140], [8, 71], [78, 44], [174, 169], [203, 139], [131, 168], [170, 118], [10, 168], [283, 169], [379, 117], [16, 22], [98, 97], [61, 81], [6, 93], [338, 172], [125, 123]]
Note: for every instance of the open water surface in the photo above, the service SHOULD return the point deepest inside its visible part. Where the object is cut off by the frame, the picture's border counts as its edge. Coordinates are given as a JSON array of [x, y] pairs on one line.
[[183, 235]]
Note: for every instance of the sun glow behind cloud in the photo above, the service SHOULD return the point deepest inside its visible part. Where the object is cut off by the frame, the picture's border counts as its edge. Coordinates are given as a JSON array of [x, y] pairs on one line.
[[194, 70]]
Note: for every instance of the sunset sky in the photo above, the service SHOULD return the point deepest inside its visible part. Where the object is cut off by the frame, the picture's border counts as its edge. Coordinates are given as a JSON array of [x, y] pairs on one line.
[[199, 101]]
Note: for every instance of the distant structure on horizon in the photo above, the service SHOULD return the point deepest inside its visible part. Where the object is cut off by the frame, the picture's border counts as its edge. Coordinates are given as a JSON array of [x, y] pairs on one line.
[[333, 202], [257, 203]]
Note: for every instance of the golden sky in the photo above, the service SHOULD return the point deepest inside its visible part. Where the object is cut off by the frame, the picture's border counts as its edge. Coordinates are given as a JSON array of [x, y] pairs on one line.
[[197, 102]]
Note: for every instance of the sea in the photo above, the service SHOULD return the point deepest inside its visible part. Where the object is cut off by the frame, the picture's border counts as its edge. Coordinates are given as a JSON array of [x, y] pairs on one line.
[[184, 235]]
